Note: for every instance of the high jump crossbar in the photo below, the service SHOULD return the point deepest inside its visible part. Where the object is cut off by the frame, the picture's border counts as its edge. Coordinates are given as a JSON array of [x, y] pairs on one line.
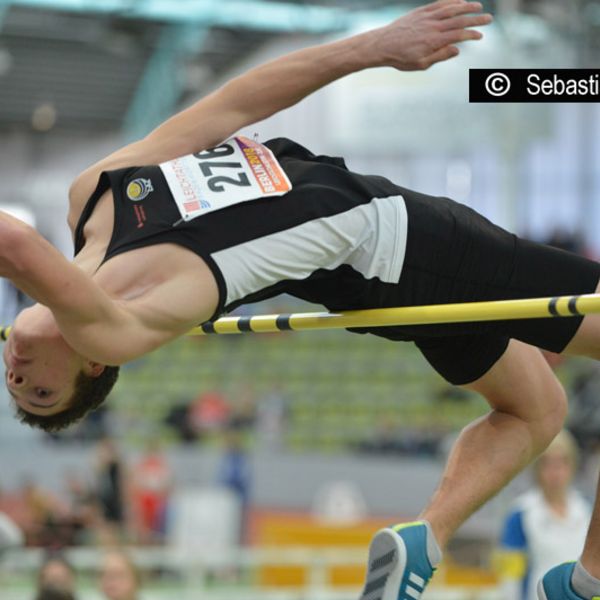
[[496, 310]]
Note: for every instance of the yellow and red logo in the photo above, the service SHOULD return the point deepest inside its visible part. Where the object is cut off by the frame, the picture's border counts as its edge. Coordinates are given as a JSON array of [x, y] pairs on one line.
[[138, 189]]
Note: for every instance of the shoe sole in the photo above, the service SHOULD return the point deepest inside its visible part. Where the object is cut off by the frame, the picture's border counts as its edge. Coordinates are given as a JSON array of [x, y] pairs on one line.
[[387, 561]]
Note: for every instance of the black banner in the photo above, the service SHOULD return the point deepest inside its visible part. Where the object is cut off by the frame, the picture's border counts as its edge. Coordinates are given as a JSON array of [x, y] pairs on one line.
[[534, 85]]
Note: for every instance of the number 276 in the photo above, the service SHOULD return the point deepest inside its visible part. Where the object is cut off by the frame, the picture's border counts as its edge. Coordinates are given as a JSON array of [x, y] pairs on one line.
[[217, 182]]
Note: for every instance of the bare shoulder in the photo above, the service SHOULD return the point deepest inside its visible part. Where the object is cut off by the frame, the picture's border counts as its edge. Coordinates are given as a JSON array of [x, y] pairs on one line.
[[201, 126], [151, 150], [85, 183]]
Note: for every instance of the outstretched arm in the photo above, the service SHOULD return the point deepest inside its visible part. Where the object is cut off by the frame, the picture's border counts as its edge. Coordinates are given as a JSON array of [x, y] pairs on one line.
[[416, 41], [98, 327]]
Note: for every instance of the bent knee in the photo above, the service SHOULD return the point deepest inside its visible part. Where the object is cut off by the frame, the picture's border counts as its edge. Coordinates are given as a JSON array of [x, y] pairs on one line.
[[547, 410], [552, 419], [522, 384], [542, 407]]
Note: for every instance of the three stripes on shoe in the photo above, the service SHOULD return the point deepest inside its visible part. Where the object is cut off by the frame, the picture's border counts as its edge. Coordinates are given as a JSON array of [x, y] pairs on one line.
[[414, 589]]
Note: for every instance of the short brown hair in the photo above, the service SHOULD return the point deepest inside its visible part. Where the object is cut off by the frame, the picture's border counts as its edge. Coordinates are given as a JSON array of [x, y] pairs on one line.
[[52, 593], [89, 393]]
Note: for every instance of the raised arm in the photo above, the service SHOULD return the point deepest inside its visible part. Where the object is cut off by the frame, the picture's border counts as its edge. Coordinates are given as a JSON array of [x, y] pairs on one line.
[[416, 41]]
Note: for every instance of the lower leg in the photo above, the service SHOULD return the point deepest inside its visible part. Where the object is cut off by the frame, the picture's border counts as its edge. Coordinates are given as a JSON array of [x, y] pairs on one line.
[[590, 558], [487, 455], [586, 342], [528, 410]]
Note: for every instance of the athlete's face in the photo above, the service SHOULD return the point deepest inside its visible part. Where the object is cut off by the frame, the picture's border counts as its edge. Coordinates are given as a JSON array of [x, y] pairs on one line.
[[40, 366]]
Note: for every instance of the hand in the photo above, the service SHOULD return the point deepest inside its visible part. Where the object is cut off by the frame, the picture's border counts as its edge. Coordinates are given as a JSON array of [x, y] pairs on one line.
[[427, 34]]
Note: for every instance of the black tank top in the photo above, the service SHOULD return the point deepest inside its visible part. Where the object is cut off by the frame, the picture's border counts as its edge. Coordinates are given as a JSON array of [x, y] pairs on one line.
[[337, 238]]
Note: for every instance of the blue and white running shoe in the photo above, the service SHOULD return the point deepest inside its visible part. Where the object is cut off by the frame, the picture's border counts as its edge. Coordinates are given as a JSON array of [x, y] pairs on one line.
[[398, 567], [556, 584]]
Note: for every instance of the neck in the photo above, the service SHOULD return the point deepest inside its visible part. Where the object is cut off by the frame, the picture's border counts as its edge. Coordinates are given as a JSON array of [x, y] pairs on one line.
[[38, 318], [556, 499], [89, 259]]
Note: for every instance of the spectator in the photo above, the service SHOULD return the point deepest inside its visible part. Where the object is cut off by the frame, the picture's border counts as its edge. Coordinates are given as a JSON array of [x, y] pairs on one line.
[[387, 439], [243, 413], [81, 511], [151, 489], [234, 473], [119, 578], [109, 490], [42, 516], [56, 573], [547, 525], [566, 240], [209, 412], [178, 419], [51, 593]]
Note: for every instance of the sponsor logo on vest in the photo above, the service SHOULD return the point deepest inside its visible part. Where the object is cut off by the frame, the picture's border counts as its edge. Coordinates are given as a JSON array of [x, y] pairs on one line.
[[140, 215], [138, 189]]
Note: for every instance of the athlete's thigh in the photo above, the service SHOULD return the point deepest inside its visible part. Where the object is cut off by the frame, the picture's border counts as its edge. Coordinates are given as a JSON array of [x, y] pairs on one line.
[[586, 341], [542, 271], [522, 384]]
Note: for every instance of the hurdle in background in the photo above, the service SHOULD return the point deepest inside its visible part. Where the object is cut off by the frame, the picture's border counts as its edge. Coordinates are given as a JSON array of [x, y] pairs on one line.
[[497, 310]]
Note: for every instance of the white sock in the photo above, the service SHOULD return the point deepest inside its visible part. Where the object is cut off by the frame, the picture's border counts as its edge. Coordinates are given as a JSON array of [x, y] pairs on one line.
[[434, 552], [584, 584]]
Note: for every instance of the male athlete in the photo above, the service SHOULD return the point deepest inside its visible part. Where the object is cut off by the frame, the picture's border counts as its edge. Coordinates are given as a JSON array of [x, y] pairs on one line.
[[171, 231]]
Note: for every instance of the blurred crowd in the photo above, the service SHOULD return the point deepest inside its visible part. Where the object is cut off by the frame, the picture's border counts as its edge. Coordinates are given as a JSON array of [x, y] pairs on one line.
[[201, 419], [118, 500], [118, 578], [129, 504]]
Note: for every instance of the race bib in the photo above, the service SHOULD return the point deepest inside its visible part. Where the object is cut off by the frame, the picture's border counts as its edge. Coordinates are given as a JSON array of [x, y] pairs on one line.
[[237, 171]]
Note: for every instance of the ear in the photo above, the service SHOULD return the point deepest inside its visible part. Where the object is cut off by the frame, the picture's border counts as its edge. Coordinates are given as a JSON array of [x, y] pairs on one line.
[[93, 369]]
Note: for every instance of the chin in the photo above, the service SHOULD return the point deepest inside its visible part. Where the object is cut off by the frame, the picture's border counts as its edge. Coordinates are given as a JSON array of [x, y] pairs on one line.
[[36, 321]]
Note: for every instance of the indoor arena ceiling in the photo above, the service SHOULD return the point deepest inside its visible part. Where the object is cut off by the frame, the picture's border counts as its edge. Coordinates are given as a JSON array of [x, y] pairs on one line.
[[91, 64], [100, 64]]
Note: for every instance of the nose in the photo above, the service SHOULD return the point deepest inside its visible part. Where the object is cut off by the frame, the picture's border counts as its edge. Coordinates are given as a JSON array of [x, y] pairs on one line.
[[20, 346], [15, 380]]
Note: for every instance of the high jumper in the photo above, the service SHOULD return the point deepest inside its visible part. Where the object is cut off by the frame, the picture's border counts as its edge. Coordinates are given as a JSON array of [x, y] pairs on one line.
[[188, 223]]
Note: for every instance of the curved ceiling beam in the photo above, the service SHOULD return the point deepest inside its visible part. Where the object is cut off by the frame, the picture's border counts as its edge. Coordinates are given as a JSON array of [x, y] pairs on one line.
[[250, 14]]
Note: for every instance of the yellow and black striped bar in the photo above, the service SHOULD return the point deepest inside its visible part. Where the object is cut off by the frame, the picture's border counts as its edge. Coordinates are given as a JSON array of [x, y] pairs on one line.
[[497, 310]]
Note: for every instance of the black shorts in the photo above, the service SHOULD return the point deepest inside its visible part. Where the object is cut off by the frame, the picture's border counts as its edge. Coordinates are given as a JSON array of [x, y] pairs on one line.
[[454, 254]]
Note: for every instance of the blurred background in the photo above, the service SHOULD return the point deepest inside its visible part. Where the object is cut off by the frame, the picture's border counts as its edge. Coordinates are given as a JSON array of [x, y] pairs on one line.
[[259, 466]]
